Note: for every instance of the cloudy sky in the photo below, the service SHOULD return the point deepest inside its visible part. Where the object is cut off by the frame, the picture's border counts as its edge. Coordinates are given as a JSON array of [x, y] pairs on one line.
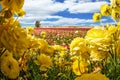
[[62, 12]]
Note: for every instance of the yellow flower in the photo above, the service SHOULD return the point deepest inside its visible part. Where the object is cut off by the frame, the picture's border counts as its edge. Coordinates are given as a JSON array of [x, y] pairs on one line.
[[63, 53], [115, 4], [12, 4], [6, 54], [10, 67], [96, 36], [14, 39], [33, 41], [92, 76], [78, 47], [58, 48], [75, 43], [97, 55], [115, 14], [43, 34], [49, 50], [44, 61], [43, 45], [7, 13], [80, 67], [45, 75], [21, 13], [30, 30], [105, 10], [118, 25], [76, 32], [112, 29], [96, 17]]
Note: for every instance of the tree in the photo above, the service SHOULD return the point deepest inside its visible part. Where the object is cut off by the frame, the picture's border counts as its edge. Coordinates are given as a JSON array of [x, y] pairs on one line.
[[37, 24]]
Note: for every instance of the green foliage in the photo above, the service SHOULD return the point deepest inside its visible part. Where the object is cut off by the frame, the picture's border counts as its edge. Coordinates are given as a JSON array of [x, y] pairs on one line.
[[112, 69]]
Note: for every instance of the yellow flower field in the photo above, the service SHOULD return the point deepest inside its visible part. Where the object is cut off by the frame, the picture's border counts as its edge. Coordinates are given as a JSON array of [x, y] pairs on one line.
[[26, 56]]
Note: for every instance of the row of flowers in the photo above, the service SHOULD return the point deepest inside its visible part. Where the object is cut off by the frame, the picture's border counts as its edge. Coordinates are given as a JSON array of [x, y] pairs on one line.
[[60, 37]]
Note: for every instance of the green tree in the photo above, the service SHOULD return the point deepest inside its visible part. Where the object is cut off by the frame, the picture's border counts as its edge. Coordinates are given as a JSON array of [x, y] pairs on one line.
[[37, 24]]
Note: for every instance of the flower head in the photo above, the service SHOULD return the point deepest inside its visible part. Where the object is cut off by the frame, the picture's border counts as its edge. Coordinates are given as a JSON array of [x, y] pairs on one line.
[[44, 61], [92, 76], [79, 67], [10, 67], [115, 14], [96, 17], [105, 10]]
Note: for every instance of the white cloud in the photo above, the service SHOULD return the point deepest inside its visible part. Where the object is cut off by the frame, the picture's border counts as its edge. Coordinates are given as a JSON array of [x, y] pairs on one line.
[[45, 9], [86, 7], [68, 21]]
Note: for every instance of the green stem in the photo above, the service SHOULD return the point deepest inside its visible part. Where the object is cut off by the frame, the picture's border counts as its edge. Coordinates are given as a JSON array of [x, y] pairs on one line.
[[2, 52], [90, 66], [79, 65]]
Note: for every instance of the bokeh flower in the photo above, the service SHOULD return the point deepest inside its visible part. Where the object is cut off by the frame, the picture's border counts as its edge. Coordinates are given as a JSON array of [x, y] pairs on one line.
[[43, 34], [14, 5], [43, 45], [105, 10], [9, 67], [95, 35], [115, 14], [96, 17], [92, 76], [30, 30]]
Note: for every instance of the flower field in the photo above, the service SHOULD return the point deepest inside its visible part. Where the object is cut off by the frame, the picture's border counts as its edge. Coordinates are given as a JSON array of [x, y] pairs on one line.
[[60, 35], [59, 53]]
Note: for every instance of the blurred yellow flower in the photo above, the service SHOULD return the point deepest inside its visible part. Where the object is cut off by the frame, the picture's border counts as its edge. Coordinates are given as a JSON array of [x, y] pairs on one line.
[[7, 13], [78, 47], [14, 39], [6, 54], [112, 29], [105, 10], [118, 25], [45, 75], [14, 5], [96, 17], [97, 55], [115, 4], [63, 53], [92, 76], [58, 48], [43, 34], [49, 50], [43, 45], [80, 67], [74, 45], [44, 61], [10, 67], [21, 13], [115, 14], [96, 36], [33, 41], [30, 30], [76, 32]]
